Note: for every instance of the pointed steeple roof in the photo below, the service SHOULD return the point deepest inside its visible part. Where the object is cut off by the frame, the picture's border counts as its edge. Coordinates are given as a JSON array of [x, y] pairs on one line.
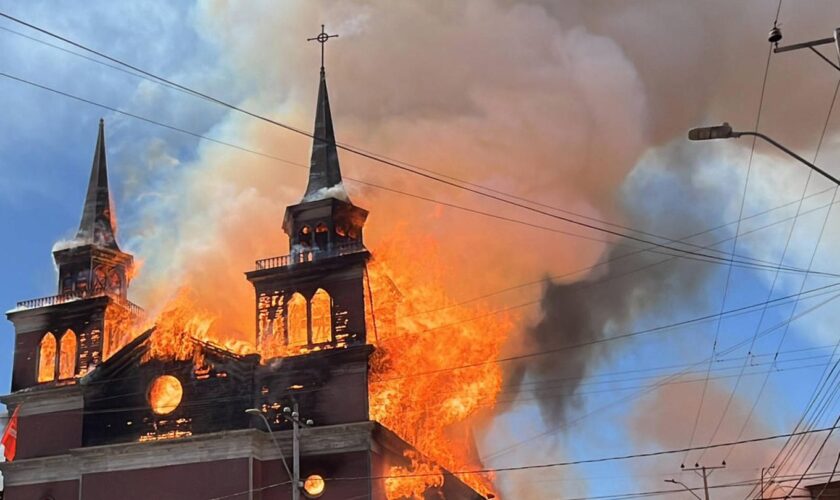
[[97, 225], [324, 171]]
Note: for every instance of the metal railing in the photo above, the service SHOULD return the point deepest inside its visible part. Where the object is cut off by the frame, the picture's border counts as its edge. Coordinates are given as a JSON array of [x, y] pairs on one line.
[[74, 296], [300, 256]]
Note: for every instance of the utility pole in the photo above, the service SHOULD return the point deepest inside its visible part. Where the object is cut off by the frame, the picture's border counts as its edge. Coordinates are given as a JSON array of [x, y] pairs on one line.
[[705, 472], [296, 453], [293, 417], [763, 470]]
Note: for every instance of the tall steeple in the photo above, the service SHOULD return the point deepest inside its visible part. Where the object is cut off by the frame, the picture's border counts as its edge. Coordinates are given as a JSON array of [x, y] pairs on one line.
[[97, 225], [315, 296], [324, 170], [92, 262], [325, 220]]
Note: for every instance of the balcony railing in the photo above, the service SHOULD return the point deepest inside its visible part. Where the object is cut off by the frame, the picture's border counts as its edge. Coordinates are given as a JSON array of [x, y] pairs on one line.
[[74, 296], [309, 255]]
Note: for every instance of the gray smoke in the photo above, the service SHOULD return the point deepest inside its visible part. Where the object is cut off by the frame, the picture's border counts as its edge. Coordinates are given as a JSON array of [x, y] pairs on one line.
[[700, 63], [661, 196]]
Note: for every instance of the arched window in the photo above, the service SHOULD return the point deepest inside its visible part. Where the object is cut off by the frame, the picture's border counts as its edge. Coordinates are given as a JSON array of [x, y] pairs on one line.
[[46, 358], [67, 356], [305, 236], [322, 235], [296, 318], [321, 308]]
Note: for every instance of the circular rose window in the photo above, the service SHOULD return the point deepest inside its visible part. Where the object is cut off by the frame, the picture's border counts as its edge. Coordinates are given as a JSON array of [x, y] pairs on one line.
[[165, 394]]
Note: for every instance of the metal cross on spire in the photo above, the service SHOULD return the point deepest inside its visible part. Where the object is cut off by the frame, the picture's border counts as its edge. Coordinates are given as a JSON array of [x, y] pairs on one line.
[[322, 39]]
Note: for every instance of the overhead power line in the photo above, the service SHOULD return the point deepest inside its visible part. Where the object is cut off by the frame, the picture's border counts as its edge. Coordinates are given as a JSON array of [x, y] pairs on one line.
[[617, 496], [499, 360], [776, 276], [487, 188], [732, 348], [734, 245], [636, 333], [742, 261], [586, 461], [377, 158]]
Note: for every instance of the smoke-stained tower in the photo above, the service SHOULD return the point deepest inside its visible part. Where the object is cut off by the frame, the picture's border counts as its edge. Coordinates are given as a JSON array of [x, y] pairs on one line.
[[163, 426], [61, 337], [313, 298]]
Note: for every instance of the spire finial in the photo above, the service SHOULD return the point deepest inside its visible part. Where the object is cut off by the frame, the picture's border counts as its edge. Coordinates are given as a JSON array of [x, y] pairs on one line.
[[322, 39]]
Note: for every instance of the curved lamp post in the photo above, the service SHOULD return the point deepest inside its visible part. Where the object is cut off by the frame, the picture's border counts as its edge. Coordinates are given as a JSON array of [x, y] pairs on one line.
[[684, 486], [725, 132]]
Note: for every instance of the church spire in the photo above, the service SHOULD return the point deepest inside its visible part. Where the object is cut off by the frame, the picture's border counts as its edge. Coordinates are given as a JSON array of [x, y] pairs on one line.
[[324, 170], [97, 225]]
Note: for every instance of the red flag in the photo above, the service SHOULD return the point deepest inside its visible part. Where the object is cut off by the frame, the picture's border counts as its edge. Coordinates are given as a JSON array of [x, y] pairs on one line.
[[9, 440]]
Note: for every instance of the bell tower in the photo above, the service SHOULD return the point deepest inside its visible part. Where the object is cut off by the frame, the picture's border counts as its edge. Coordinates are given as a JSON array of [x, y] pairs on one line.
[[325, 221], [92, 262], [61, 337], [313, 298]]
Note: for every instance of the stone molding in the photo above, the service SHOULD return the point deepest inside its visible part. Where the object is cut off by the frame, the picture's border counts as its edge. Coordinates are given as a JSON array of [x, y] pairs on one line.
[[226, 445], [46, 399]]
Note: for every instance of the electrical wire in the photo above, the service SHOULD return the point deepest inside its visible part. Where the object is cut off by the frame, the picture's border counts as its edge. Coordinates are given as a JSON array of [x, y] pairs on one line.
[[737, 345], [740, 261], [833, 471], [745, 309], [374, 157], [810, 264], [825, 377], [610, 260], [138, 75], [631, 334], [734, 244], [776, 275], [587, 461], [507, 201]]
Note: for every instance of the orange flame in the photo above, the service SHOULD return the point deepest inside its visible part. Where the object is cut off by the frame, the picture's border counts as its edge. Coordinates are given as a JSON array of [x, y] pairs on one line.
[[431, 374], [413, 481], [416, 388], [183, 322]]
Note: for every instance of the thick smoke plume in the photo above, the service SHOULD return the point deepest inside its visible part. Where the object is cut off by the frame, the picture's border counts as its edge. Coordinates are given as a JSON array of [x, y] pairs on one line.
[[711, 74], [582, 105], [627, 284]]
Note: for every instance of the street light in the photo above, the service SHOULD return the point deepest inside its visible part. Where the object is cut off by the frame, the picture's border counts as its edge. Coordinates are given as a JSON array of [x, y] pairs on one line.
[[725, 132], [295, 487], [674, 481]]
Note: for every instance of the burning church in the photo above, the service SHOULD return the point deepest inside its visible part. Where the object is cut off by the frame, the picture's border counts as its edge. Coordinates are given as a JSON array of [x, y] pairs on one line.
[[108, 402]]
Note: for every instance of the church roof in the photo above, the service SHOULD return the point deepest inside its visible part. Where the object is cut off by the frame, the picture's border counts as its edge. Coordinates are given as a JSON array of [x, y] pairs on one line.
[[97, 225], [324, 170]]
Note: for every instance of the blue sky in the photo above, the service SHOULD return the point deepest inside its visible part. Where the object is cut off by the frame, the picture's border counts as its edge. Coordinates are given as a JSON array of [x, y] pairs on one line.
[[580, 105]]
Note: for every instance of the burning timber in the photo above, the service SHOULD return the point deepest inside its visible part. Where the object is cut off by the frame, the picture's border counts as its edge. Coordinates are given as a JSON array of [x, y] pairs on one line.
[[111, 399]]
